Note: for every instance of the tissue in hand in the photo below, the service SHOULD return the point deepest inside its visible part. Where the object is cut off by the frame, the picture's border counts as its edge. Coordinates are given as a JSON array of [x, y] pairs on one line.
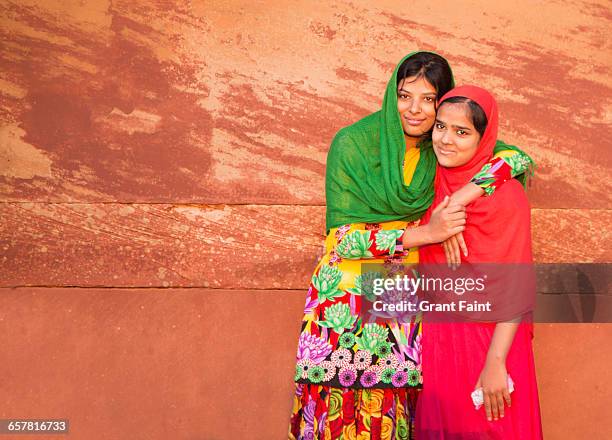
[[478, 398]]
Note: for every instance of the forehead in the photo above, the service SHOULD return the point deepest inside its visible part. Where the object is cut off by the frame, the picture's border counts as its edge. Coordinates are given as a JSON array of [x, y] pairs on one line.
[[456, 113], [415, 85]]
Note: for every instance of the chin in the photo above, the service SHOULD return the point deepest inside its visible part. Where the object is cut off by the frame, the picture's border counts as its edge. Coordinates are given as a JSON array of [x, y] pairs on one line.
[[414, 131], [446, 161]]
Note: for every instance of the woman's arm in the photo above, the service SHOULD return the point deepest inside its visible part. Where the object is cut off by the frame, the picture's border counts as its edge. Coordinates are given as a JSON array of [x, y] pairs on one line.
[[505, 165], [493, 378], [355, 244]]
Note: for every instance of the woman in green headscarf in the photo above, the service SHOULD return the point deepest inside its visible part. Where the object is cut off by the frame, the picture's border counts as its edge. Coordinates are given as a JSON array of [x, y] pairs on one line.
[[357, 372]]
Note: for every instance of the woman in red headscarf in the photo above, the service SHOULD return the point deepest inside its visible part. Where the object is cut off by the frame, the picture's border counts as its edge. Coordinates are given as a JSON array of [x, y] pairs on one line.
[[461, 357]]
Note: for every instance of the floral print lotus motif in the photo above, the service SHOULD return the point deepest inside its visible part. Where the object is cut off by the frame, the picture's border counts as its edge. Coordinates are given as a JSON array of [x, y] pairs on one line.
[[326, 282], [355, 245], [386, 239], [338, 317], [312, 347], [364, 285], [372, 336]]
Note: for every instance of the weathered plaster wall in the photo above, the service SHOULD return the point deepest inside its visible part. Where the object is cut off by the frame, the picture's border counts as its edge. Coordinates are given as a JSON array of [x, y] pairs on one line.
[[162, 194]]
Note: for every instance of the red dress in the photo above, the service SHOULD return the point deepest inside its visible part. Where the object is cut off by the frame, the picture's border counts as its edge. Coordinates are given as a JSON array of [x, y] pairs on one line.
[[453, 353]]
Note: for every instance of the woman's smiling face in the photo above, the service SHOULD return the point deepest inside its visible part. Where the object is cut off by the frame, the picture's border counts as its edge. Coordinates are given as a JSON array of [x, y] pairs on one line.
[[455, 139], [416, 104]]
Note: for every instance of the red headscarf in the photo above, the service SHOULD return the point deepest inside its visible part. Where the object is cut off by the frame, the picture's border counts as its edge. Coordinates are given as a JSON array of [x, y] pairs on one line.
[[498, 226]]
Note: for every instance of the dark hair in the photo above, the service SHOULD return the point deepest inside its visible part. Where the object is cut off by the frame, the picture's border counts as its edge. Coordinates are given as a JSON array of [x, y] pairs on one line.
[[477, 114], [433, 67]]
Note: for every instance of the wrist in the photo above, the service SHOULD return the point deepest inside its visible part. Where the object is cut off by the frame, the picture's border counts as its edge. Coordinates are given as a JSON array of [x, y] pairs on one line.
[[415, 236], [426, 234], [467, 194], [494, 358]]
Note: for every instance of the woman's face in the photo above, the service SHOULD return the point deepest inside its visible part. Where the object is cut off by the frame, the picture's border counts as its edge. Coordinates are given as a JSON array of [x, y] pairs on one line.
[[455, 140], [416, 103]]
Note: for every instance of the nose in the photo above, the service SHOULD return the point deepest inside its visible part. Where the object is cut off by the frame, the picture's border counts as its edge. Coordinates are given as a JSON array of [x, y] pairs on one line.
[[446, 139], [415, 106]]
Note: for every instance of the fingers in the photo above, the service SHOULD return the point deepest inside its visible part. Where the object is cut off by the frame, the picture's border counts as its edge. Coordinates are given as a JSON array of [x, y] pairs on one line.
[[454, 209], [452, 221], [494, 403], [452, 228], [493, 400], [452, 248], [442, 204], [487, 405], [451, 253], [500, 403], [507, 398], [446, 253], [457, 230], [455, 251], [454, 216], [462, 244], [456, 224]]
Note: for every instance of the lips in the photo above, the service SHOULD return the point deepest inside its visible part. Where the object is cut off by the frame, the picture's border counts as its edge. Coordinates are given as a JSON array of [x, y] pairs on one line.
[[444, 152], [414, 122]]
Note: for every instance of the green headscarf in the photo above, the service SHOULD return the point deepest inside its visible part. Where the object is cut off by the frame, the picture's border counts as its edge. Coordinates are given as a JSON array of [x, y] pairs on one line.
[[364, 178]]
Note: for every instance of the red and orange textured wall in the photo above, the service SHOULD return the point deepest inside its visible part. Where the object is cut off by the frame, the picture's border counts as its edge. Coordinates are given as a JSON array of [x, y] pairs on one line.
[[162, 194]]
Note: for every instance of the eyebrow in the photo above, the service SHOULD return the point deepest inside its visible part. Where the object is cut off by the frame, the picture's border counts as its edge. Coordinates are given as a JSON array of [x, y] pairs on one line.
[[406, 91], [454, 126]]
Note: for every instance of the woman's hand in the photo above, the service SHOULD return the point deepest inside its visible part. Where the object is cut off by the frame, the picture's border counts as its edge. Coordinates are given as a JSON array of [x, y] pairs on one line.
[[494, 383], [467, 194], [453, 247], [446, 220]]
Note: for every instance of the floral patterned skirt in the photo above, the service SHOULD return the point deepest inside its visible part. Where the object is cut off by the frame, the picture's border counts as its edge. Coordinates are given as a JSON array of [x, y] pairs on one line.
[[327, 413]]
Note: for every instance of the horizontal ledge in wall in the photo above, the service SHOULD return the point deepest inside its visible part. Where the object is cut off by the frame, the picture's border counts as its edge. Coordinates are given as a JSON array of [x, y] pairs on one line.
[[234, 247]]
